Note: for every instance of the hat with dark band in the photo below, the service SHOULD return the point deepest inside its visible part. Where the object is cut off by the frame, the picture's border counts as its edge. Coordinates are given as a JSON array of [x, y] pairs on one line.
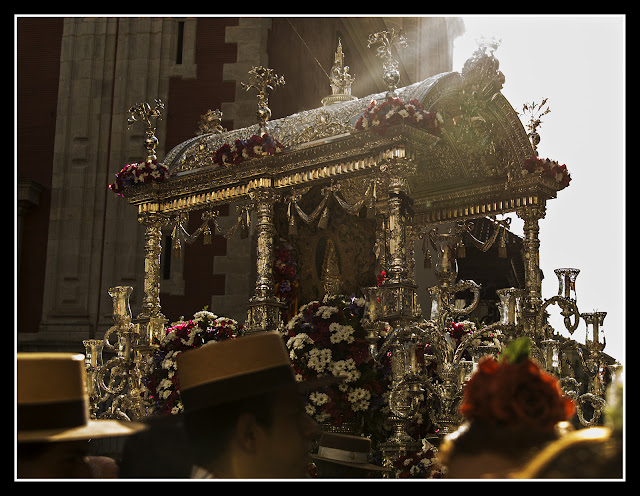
[[345, 449], [53, 404], [235, 369]]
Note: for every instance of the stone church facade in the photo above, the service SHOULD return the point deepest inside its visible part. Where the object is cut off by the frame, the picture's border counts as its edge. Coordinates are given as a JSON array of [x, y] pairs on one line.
[[76, 79]]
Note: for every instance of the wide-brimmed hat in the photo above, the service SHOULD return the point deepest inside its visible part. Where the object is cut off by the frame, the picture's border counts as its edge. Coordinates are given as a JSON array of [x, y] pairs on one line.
[[345, 449], [234, 369], [52, 402]]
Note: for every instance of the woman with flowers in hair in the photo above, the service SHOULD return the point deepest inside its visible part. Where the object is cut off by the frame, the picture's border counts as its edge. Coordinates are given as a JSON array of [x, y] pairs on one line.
[[513, 408]]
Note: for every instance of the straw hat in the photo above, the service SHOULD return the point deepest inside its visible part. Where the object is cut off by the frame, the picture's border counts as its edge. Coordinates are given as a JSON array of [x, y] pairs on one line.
[[53, 404], [234, 369], [344, 449]]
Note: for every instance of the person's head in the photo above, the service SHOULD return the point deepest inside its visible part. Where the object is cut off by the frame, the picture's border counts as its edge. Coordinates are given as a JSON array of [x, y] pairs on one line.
[[479, 450], [512, 408], [347, 456], [243, 410], [53, 421], [145, 455], [53, 460]]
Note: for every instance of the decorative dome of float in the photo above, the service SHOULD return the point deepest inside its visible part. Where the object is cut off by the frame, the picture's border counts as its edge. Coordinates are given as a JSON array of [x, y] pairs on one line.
[[471, 164]]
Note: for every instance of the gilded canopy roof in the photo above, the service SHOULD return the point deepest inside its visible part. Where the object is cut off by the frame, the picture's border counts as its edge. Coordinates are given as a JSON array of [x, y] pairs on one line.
[[472, 168]]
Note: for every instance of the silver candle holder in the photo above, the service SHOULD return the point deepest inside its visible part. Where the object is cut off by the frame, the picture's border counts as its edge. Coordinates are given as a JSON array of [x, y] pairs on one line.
[[115, 387]]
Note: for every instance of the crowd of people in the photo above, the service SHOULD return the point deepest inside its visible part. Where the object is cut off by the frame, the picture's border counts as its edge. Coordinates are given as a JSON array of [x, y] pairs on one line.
[[244, 418]]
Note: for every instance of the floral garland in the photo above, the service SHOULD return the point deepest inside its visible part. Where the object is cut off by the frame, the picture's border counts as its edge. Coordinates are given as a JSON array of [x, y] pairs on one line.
[[141, 172], [549, 168], [255, 146], [515, 392], [393, 111], [285, 272], [422, 464], [162, 383], [326, 338]]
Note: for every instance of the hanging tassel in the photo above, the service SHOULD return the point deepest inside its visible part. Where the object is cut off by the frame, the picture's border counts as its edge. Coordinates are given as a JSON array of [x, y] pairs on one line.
[[324, 219], [245, 219], [206, 235], [427, 259], [427, 255], [460, 250], [244, 228], [502, 247], [371, 208], [177, 248], [293, 230]]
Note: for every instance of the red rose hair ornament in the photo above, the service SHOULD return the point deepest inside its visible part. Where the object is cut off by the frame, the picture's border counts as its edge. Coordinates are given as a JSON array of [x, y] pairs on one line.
[[515, 392]]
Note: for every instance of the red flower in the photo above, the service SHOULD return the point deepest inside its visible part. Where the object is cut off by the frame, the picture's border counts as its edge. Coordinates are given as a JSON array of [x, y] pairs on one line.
[[515, 394], [457, 331], [548, 168]]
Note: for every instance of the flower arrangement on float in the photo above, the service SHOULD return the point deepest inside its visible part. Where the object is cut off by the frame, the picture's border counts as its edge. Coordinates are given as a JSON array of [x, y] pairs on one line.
[[162, 383], [141, 172], [327, 338], [255, 146], [393, 111], [549, 168], [422, 464]]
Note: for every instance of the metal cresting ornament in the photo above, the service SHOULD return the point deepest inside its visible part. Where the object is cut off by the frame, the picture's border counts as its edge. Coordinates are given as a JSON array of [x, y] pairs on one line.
[[142, 112], [385, 41], [263, 79]]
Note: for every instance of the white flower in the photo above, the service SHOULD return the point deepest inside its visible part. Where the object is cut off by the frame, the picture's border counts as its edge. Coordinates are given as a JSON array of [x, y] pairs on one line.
[[318, 398], [326, 312], [359, 301], [347, 368], [293, 322], [304, 307], [359, 399], [189, 341], [168, 363], [319, 359], [298, 341], [403, 113], [203, 314], [341, 333]]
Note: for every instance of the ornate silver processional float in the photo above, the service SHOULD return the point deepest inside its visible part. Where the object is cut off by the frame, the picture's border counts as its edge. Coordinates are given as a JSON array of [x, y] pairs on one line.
[[426, 161]]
